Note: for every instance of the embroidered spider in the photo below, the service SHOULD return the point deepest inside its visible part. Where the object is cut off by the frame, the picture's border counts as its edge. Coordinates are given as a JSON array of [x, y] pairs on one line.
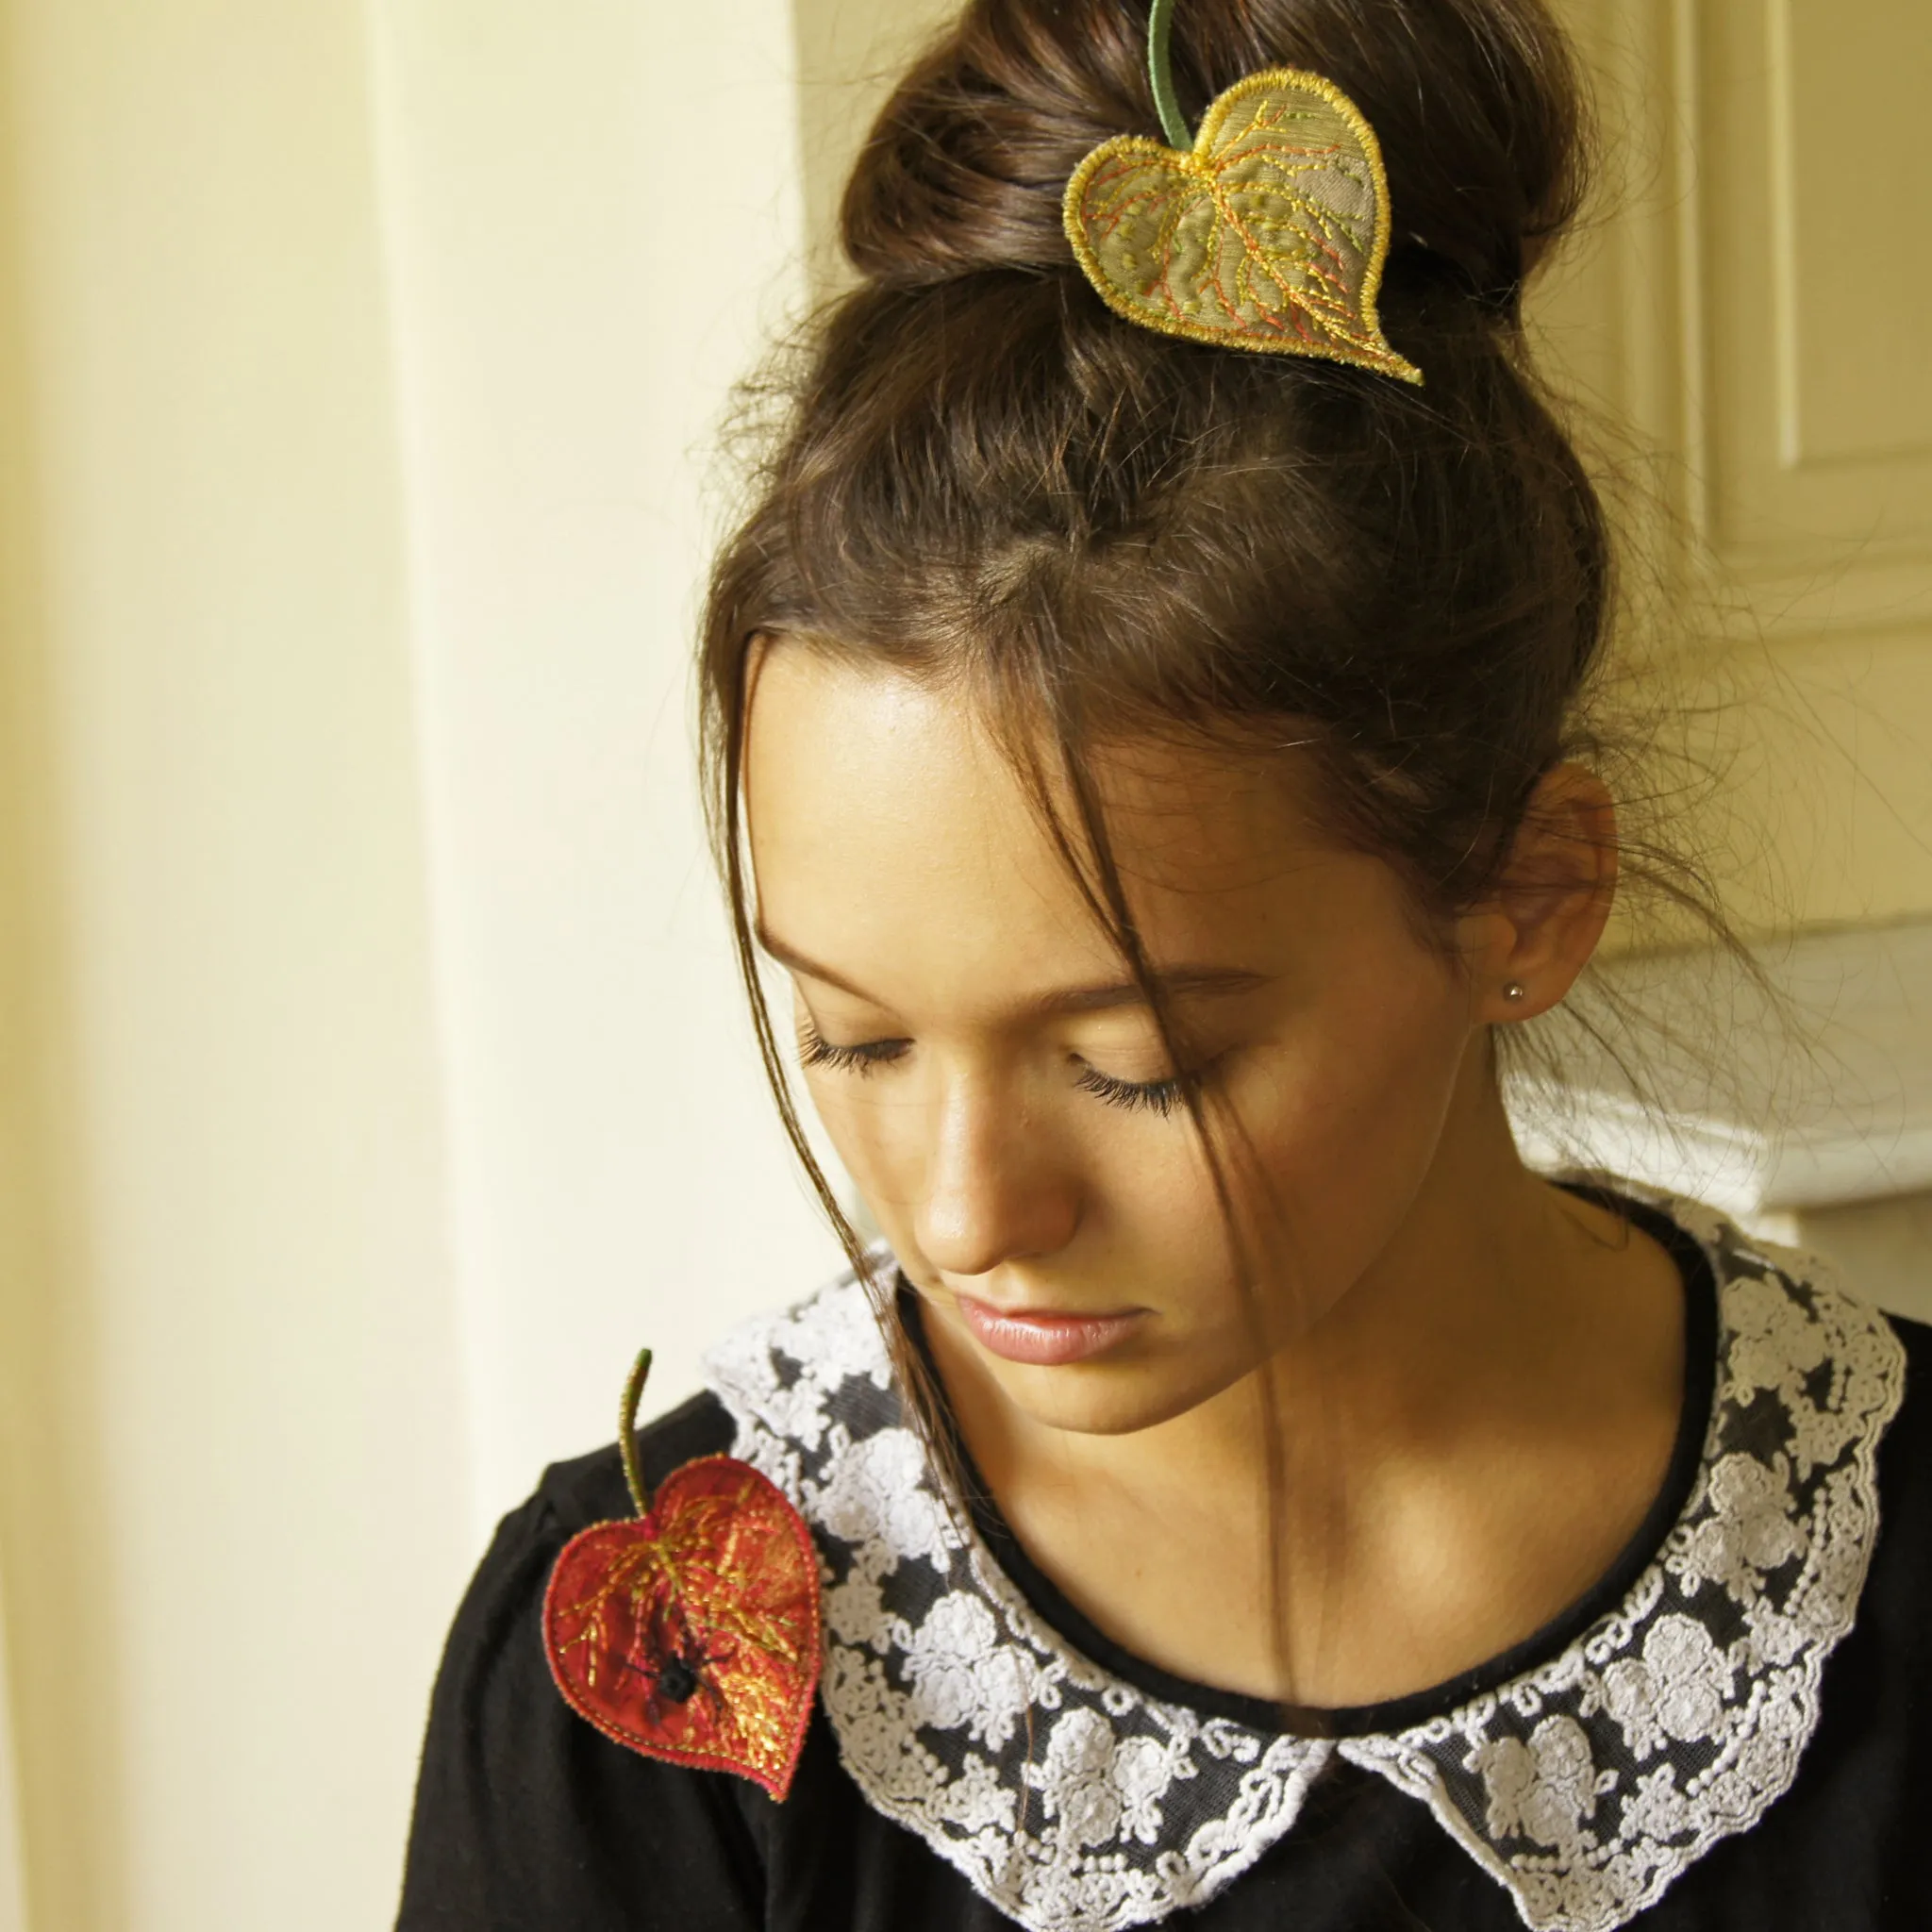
[[673, 1662]]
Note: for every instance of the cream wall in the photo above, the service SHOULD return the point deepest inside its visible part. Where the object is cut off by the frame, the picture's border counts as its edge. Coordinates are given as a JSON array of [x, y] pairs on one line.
[[12, 1861], [374, 1083], [571, 300], [849, 52], [233, 1508]]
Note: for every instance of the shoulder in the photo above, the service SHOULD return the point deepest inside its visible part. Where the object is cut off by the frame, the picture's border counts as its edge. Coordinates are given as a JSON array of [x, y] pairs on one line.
[[1915, 1338], [1865, 1783], [509, 1581], [571, 1497], [518, 1799], [1905, 1456], [1879, 1701], [590, 1489]]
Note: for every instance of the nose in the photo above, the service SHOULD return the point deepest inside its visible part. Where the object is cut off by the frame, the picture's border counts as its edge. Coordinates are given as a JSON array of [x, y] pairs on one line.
[[995, 1190]]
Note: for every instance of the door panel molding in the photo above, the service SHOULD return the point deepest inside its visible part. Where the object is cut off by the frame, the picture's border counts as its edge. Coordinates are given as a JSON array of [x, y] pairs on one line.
[[1760, 145]]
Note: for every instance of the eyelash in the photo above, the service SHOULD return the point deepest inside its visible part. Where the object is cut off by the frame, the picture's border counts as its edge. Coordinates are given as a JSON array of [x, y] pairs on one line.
[[1156, 1096], [814, 1051]]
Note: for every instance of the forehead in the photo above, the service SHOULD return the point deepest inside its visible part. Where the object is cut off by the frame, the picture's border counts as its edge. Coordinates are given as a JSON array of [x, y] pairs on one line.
[[891, 839]]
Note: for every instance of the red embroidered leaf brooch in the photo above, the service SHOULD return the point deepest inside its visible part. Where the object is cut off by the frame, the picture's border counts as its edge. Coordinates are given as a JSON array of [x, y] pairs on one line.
[[692, 1632]]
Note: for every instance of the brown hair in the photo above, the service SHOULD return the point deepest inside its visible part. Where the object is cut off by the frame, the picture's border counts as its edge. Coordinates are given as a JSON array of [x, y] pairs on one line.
[[982, 474]]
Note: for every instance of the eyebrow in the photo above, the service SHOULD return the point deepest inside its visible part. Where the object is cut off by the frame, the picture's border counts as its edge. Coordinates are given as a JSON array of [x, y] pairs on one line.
[[1176, 982]]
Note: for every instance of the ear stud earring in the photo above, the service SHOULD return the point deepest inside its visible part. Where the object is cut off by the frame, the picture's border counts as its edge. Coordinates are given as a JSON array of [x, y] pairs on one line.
[[1515, 992]]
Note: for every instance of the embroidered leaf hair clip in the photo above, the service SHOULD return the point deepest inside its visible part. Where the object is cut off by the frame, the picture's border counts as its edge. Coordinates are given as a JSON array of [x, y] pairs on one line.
[[1267, 230], [692, 1632]]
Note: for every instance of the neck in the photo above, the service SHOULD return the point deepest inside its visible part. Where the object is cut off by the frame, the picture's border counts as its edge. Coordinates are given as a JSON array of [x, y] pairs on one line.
[[1510, 1337]]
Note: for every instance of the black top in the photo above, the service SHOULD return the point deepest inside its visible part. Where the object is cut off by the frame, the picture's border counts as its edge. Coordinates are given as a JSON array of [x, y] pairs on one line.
[[527, 1820]]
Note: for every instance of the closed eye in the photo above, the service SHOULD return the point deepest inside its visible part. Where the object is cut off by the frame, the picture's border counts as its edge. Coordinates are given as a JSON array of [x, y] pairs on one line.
[[864, 1057], [1156, 1096]]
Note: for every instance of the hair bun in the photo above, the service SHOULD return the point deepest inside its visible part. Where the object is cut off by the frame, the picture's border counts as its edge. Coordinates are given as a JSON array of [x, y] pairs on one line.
[[1476, 104], [965, 167]]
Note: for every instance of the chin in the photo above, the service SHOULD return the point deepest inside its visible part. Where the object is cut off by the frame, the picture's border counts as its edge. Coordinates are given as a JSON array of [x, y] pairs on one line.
[[1100, 1399]]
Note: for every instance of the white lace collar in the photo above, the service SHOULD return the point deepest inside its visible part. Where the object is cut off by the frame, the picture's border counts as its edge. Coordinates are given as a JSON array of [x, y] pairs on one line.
[[1075, 1802]]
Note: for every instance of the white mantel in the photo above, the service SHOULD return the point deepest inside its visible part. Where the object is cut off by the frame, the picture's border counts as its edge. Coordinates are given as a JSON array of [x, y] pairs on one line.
[[1806, 1115], [1827, 1103]]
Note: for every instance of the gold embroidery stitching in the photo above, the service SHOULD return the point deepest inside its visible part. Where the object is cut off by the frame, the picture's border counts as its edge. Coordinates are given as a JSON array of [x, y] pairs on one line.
[[1240, 215]]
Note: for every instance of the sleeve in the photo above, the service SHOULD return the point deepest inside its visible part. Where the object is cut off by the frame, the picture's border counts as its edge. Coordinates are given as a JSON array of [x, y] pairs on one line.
[[527, 1819]]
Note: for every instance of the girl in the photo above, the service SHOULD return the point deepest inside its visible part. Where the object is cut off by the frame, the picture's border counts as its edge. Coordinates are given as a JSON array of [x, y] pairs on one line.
[[1147, 718]]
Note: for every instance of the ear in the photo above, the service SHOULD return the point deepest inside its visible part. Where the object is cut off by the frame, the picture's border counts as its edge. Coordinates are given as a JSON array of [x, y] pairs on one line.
[[1540, 926]]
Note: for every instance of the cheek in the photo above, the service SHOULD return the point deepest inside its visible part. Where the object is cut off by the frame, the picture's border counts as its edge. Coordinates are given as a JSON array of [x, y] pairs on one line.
[[1154, 1195], [880, 1128], [852, 1125], [1341, 1124]]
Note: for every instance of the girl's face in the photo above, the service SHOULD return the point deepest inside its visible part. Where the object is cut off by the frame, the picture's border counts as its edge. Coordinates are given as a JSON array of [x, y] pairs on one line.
[[997, 1089]]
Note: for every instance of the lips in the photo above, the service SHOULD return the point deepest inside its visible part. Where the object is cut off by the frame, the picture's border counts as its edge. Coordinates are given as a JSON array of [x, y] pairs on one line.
[[1044, 1339]]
